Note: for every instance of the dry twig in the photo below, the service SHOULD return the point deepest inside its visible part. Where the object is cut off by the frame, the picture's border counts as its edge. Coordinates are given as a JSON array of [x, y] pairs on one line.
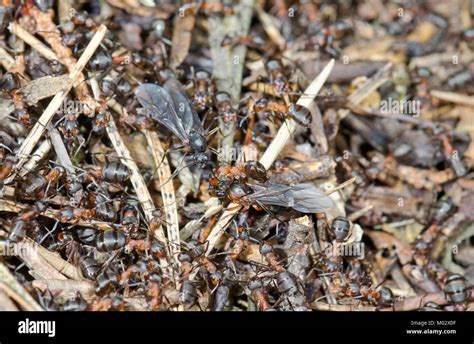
[[167, 193], [15, 290]]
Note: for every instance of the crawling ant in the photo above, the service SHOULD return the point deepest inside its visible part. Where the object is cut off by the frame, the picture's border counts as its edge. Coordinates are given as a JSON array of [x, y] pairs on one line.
[[69, 127], [130, 218], [101, 117], [202, 90], [238, 243], [431, 307], [76, 304], [188, 295], [110, 240], [155, 223], [89, 267], [65, 242], [78, 29], [324, 39], [46, 301], [286, 283], [221, 297], [259, 295], [32, 186], [224, 107], [277, 76], [340, 228], [133, 272], [54, 176], [271, 257], [10, 84], [106, 281], [298, 113], [6, 166], [70, 214], [115, 172], [102, 61], [119, 86], [456, 291], [222, 177], [104, 207], [154, 291], [254, 42]]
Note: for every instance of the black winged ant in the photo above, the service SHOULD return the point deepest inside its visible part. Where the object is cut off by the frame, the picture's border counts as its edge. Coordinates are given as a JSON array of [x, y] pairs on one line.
[[170, 107]]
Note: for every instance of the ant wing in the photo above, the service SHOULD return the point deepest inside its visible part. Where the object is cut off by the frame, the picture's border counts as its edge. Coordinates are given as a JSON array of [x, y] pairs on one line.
[[160, 106], [185, 110], [305, 198]]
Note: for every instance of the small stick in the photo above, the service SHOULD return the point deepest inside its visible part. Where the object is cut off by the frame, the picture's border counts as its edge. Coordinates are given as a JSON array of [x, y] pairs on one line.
[[280, 140], [359, 213], [65, 268], [38, 129], [187, 178], [31, 40], [221, 225], [36, 157], [67, 288], [418, 301], [368, 87], [167, 193], [439, 58], [16, 291], [321, 306], [6, 59], [341, 186], [60, 149], [192, 226], [453, 97], [270, 28], [39, 266], [6, 304], [317, 129]]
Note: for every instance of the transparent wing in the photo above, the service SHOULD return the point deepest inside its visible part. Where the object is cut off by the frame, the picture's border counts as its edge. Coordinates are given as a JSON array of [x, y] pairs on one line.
[[161, 107], [305, 198], [185, 110]]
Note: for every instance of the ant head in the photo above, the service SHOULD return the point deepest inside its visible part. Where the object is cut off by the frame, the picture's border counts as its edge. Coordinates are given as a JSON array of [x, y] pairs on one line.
[[9, 82], [202, 159]]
